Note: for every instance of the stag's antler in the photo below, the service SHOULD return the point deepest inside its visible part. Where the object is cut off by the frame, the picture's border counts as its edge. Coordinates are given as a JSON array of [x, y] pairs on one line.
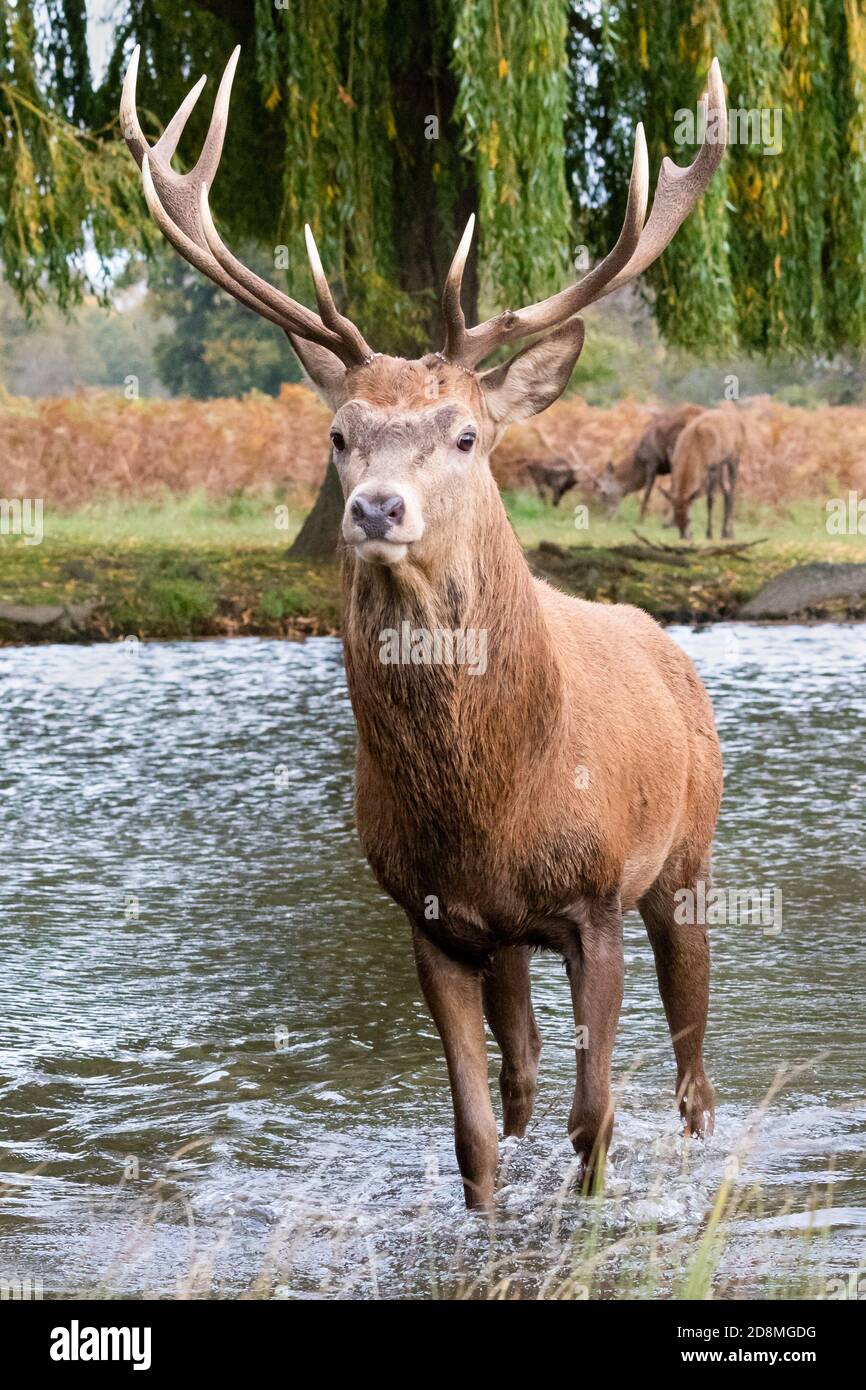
[[677, 192], [179, 206]]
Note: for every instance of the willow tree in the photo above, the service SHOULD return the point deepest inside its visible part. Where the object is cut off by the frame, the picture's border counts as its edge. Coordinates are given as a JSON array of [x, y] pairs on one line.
[[774, 260], [386, 122], [844, 260], [64, 187]]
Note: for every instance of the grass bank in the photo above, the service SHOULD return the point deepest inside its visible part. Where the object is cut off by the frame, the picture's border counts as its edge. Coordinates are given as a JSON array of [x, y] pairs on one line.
[[196, 567]]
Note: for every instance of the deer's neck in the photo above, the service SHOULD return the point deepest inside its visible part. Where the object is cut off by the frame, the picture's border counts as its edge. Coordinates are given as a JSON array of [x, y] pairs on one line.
[[452, 727]]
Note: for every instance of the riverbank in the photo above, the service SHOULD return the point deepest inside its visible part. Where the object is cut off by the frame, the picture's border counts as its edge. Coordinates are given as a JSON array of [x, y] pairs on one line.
[[193, 569]]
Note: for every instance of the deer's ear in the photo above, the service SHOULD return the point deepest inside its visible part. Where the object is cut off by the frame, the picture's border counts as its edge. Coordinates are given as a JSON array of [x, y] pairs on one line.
[[535, 378], [322, 369]]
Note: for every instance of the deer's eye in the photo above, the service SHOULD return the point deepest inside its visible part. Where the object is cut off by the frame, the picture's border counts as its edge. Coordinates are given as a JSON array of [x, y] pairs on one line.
[[338, 441], [465, 441]]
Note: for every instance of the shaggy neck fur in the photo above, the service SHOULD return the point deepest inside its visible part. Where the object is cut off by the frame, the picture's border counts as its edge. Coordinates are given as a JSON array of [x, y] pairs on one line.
[[449, 744]]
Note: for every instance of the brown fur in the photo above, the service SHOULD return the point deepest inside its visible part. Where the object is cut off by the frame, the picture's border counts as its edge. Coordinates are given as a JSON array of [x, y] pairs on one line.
[[650, 458], [471, 803], [466, 795], [707, 456]]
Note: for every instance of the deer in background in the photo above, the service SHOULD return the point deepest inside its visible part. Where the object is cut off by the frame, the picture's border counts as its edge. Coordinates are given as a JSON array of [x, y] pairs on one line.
[[580, 775], [650, 457], [707, 457], [556, 478]]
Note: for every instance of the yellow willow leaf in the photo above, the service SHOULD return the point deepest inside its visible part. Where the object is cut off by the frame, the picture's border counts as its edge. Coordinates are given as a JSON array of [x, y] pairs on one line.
[[436, 170], [643, 47], [783, 226], [757, 185], [390, 126], [503, 67], [777, 269], [273, 98]]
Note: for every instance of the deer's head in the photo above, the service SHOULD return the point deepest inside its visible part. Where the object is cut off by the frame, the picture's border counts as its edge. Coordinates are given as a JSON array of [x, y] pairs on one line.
[[412, 439]]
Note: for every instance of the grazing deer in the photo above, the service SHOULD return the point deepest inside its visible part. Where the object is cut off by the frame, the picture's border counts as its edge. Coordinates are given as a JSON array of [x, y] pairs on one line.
[[579, 776], [555, 479], [650, 458], [706, 456]]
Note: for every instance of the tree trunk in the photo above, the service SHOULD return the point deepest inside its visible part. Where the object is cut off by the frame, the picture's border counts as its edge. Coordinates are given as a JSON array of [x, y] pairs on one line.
[[317, 538]]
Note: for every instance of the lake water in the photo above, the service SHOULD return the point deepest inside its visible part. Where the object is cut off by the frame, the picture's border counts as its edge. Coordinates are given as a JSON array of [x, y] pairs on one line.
[[217, 1074]]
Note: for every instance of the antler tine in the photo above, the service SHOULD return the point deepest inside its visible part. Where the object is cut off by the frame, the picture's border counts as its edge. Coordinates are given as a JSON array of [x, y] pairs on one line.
[[211, 151], [452, 309], [170, 138], [637, 246], [129, 123], [678, 189], [510, 326], [328, 311], [179, 206]]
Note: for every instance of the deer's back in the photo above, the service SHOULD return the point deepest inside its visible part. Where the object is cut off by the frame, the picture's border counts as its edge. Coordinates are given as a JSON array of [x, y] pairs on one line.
[[640, 721], [707, 440]]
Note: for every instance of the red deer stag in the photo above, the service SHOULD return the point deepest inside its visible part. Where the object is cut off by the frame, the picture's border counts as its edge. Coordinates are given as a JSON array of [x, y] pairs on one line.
[[706, 456], [530, 800], [650, 458]]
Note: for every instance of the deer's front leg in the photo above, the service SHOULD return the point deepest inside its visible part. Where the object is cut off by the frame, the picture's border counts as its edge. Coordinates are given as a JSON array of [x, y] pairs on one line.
[[647, 493], [730, 475], [711, 497], [594, 960], [453, 994], [507, 995]]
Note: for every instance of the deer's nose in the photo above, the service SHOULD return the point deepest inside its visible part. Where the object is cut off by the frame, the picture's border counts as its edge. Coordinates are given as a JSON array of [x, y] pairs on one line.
[[376, 516]]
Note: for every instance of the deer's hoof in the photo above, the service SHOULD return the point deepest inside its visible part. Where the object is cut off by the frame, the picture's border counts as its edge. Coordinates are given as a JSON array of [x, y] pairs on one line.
[[697, 1102]]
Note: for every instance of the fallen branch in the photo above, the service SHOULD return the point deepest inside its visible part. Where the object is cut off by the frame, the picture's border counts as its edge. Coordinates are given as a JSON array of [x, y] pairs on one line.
[[733, 548]]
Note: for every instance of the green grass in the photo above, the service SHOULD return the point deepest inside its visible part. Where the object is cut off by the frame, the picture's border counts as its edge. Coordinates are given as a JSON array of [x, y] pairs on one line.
[[191, 566], [801, 525], [190, 519], [167, 590]]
